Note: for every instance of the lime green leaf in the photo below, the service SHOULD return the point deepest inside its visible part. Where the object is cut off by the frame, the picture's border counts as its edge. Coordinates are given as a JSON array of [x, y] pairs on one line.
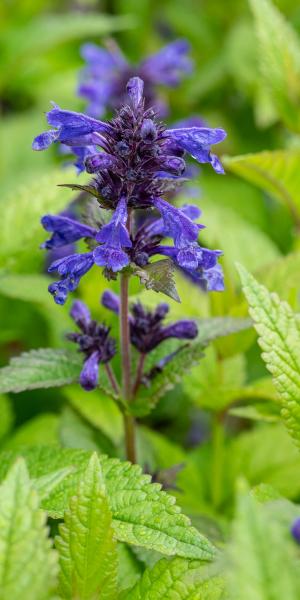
[[130, 568], [27, 562], [42, 429], [259, 548], [41, 368], [22, 209], [276, 172], [86, 544], [279, 338], [143, 515], [45, 484], [177, 578], [279, 56], [158, 276]]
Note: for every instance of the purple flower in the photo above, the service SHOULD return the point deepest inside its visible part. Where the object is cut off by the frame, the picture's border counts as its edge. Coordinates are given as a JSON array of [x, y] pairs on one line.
[[65, 231], [71, 128], [113, 238], [136, 144], [196, 141], [104, 77], [71, 268], [146, 328], [93, 341], [137, 161], [295, 530]]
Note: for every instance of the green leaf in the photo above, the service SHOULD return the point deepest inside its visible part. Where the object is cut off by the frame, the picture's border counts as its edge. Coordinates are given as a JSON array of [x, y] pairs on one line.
[[143, 515], [158, 276], [44, 485], [27, 562], [185, 357], [275, 172], [7, 416], [279, 58], [42, 429], [41, 368], [99, 410], [177, 578], [279, 338], [21, 212], [259, 548], [86, 544], [237, 237], [265, 454]]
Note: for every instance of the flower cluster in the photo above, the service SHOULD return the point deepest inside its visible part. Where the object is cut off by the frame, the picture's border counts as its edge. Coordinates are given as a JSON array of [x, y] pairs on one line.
[[103, 80], [93, 341], [146, 327], [135, 160]]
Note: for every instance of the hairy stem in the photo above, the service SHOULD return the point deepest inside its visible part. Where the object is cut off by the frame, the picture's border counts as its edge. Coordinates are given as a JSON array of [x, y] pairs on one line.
[[112, 378], [129, 428]]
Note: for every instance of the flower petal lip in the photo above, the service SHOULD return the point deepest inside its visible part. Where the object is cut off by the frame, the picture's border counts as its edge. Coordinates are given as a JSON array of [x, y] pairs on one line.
[[89, 375], [200, 135], [65, 231]]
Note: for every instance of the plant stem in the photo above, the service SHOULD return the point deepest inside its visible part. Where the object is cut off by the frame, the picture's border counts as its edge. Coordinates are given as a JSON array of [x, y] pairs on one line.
[[126, 367], [112, 378], [139, 373], [217, 458]]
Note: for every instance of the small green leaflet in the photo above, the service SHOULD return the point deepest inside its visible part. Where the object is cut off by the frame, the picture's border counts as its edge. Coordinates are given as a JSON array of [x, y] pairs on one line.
[[143, 515], [262, 554], [279, 58], [86, 544], [158, 276], [27, 561], [279, 338], [177, 578], [45, 367]]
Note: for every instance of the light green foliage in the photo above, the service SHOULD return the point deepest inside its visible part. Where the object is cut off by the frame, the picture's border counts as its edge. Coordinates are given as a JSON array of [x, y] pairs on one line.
[[279, 338], [262, 554], [40, 369], [143, 515], [265, 454], [21, 213], [86, 544], [276, 172], [177, 578], [129, 567], [237, 238], [42, 429], [279, 60], [27, 562]]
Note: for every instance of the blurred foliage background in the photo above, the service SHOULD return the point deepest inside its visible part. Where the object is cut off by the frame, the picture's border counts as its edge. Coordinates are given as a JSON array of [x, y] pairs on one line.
[[224, 418]]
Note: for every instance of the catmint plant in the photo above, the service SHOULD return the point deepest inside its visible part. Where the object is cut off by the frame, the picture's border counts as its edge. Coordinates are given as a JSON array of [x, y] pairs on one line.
[[135, 161]]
